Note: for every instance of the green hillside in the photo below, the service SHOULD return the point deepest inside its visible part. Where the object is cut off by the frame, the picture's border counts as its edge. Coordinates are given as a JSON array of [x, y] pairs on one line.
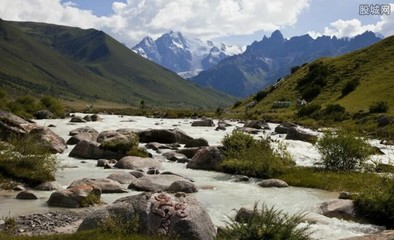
[[367, 74], [89, 65]]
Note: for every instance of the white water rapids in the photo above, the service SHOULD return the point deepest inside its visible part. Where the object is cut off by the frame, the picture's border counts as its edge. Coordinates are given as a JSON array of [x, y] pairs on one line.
[[216, 191]]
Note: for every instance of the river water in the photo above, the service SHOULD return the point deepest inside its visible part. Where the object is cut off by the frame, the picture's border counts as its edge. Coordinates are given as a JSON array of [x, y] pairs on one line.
[[216, 190]]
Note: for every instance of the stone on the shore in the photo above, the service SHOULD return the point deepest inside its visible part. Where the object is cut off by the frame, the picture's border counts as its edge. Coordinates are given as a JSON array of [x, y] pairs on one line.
[[339, 208], [207, 158], [48, 139], [74, 197], [26, 195], [43, 114], [104, 184], [176, 216], [155, 183], [244, 214], [131, 162], [268, 183]]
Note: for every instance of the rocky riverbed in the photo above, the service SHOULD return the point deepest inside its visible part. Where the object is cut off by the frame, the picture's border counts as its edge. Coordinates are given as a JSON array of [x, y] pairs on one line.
[[217, 192]]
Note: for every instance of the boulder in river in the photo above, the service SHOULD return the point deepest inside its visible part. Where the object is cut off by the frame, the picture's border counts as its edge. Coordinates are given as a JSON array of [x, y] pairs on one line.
[[339, 208], [91, 150], [104, 184], [182, 186], [297, 134], [203, 123], [26, 195], [175, 157], [197, 142], [122, 177], [268, 183], [131, 162], [176, 216], [48, 186], [86, 129], [155, 183], [207, 158], [81, 136], [75, 197], [188, 152], [284, 127], [256, 124], [43, 114], [164, 136], [77, 119]]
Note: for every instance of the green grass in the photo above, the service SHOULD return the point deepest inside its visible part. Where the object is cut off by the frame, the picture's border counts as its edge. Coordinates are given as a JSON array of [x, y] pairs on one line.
[[77, 64], [86, 235]]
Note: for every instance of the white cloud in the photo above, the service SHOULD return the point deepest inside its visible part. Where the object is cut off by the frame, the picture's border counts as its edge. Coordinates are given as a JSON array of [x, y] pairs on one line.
[[135, 19], [354, 27]]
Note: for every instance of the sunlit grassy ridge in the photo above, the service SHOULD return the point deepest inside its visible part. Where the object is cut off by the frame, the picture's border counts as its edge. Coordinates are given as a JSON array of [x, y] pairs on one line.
[[372, 68]]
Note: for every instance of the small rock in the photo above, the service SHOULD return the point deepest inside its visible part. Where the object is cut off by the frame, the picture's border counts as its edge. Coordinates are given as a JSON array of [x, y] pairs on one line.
[[244, 215], [26, 195], [182, 186], [267, 183], [19, 188]]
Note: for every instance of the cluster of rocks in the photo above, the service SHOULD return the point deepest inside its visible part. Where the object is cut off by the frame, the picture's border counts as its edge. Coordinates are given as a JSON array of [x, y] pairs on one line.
[[46, 223], [87, 118]]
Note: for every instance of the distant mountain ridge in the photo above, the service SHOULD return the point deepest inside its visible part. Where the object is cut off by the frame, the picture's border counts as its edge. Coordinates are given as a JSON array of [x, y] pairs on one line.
[[76, 64], [266, 61], [183, 55]]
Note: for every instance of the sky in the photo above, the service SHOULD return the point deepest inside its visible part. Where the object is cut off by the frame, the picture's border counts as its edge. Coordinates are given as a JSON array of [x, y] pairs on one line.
[[231, 21]]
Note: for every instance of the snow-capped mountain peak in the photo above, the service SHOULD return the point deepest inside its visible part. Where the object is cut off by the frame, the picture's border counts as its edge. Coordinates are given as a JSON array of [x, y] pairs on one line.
[[184, 55]]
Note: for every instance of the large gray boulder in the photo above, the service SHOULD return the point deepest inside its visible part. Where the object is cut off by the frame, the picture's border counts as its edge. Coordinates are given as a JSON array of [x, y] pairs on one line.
[[155, 183], [122, 177], [90, 150], [339, 208], [104, 184], [48, 139], [203, 123], [131, 162], [164, 136], [297, 134], [175, 216], [74, 197], [207, 158], [283, 128]]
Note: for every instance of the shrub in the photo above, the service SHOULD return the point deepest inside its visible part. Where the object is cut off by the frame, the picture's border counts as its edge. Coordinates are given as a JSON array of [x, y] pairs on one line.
[[311, 93], [334, 112], [10, 225], [121, 226], [28, 161], [260, 95], [294, 69], [308, 110], [267, 223], [379, 107], [350, 87], [138, 152], [376, 203], [248, 156], [342, 152], [53, 105]]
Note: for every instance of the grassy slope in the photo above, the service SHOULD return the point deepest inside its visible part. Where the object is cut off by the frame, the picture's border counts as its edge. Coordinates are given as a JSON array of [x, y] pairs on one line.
[[373, 66], [88, 64]]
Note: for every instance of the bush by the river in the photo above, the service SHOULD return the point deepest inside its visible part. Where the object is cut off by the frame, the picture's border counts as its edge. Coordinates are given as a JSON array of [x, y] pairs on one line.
[[25, 160], [253, 157], [267, 223], [343, 151]]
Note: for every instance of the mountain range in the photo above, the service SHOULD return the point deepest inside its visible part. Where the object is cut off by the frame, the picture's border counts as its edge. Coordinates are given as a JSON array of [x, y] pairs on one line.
[[76, 64], [183, 55], [264, 62]]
